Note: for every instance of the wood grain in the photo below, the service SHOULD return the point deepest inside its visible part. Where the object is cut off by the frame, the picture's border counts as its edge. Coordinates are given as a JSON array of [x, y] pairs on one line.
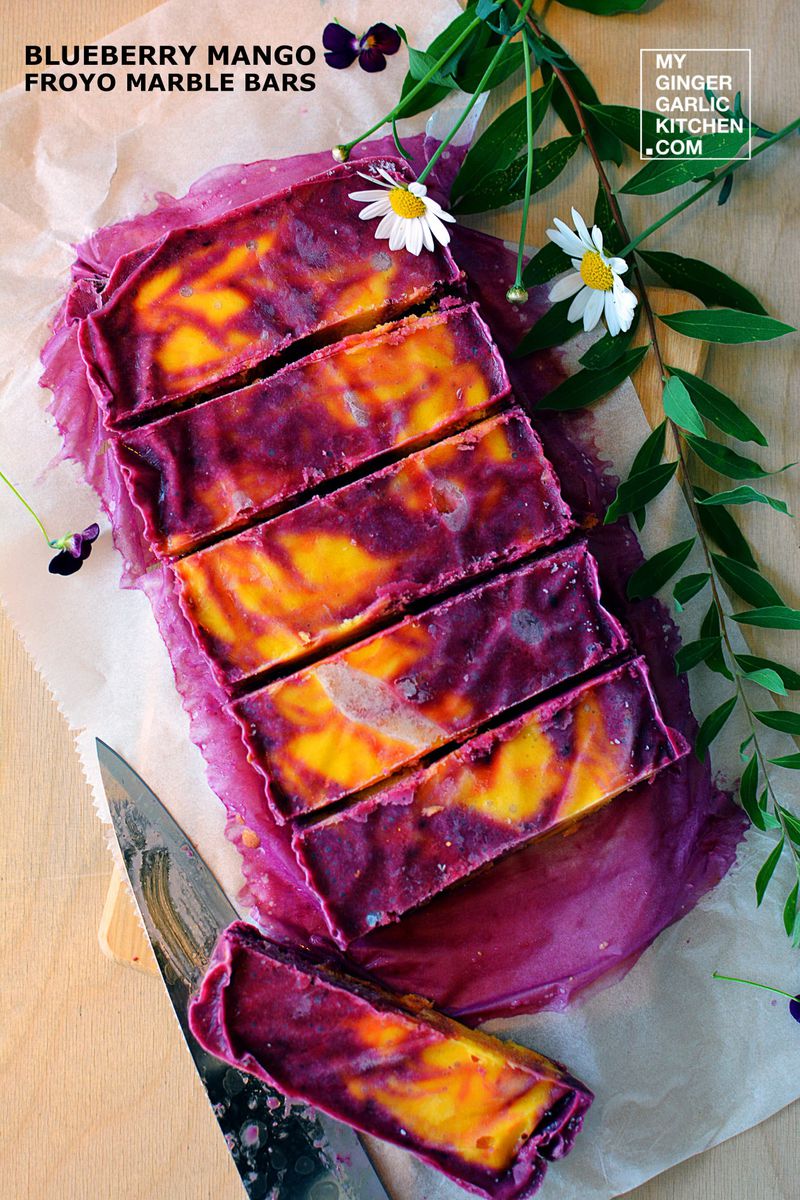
[[105, 1104]]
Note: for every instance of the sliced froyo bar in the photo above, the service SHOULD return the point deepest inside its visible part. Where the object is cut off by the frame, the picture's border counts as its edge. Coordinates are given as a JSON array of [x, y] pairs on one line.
[[320, 573], [357, 716], [400, 846], [207, 469], [487, 1113], [212, 301]]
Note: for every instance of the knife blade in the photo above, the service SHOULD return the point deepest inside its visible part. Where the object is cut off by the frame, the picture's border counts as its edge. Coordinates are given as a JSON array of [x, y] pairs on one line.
[[282, 1151]]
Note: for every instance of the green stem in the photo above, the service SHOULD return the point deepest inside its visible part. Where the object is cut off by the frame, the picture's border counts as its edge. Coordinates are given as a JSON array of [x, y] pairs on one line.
[[426, 78], [529, 167], [472, 101], [751, 983], [728, 170], [25, 504]]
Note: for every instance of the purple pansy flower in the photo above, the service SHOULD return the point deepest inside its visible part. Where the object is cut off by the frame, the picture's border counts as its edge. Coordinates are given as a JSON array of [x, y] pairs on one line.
[[73, 550], [342, 47]]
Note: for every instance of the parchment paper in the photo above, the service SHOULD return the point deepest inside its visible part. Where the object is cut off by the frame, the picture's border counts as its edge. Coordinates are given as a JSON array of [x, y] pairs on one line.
[[679, 1062]]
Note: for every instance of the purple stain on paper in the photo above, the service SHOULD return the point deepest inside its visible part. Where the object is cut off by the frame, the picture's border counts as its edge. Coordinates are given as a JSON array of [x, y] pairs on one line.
[[552, 920]]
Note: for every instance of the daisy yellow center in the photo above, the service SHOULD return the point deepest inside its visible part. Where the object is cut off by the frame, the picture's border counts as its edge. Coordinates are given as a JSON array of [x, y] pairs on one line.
[[595, 273], [405, 204]]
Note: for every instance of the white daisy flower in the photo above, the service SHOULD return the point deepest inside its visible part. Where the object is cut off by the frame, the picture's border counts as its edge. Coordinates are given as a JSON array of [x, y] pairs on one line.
[[409, 217], [596, 278]]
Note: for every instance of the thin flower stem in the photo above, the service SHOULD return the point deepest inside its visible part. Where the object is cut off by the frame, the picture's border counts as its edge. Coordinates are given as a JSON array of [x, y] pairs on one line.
[[25, 504], [472, 101], [529, 166], [752, 983], [397, 111], [728, 170]]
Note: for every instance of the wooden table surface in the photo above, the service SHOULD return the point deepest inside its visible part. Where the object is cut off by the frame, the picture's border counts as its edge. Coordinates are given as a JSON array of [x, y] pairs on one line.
[[88, 1044]]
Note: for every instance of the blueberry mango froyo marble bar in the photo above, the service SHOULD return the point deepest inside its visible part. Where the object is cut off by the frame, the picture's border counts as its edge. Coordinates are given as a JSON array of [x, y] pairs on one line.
[[373, 555], [489, 1114]]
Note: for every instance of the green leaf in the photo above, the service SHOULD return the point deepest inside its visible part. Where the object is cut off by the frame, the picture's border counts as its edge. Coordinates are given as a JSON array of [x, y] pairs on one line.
[[720, 409], [689, 587], [710, 627], [776, 616], [792, 824], [658, 570], [501, 142], [726, 461], [791, 917], [721, 526], [767, 679], [748, 786], [784, 722], [613, 239], [661, 175], [552, 329], [702, 280], [649, 455], [586, 387], [608, 349], [791, 762], [725, 325], [607, 145], [605, 8], [748, 583], [693, 653], [432, 94], [545, 265], [639, 489], [507, 186], [474, 66], [679, 407], [712, 727], [768, 870], [634, 126], [744, 746], [752, 662], [746, 495]]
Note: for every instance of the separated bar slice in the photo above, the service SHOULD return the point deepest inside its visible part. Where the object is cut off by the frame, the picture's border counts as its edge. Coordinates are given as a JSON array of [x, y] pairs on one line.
[[214, 300], [210, 468], [488, 1114], [402, 845], [356, 717], [322, 572]]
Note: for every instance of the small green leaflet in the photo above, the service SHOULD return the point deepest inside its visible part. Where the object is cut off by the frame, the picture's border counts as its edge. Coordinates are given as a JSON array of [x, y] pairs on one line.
[[507, 186], [710, 627], [728, 462], [607, 145], [767, 871], [628, 124], [770, 681], [661, 175], [613, 240], [476, 65], [791, 916], [790, 761], [693, 653], [658, 570], [712, 727], [750, 585], [743, 748], [725, 325], [679, 407], [649, 455], [776, 616], [688, 587], [545, 265], [785, 722], [792, 824], [605, 8], [433, 93], [702, 280], [752, 662], [748, 786], [586, 387], [552, 329], [720, 526], [607, 349], [639, 490], [746, 495], [499, 145], [719, 409]]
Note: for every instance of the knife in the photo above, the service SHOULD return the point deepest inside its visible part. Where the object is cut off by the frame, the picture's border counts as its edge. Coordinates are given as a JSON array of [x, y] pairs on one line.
[[282, 1151]]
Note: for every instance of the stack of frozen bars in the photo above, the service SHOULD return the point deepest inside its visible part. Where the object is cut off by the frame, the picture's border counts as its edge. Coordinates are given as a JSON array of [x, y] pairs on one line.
[[370, 545]]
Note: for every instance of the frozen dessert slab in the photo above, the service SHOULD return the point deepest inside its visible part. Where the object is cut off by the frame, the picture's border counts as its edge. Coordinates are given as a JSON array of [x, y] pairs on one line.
[[212, 301], [322, 572], [357, 716], [397, 848], [210, 468], [489, 1114]]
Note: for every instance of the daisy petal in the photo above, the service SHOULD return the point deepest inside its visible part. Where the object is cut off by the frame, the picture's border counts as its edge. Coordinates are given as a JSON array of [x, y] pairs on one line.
[[580, 226], [427, 236], [397, 237], [439, 231], [418, 189], [372, 179], [579, 304], [386, 226], [372, 194], [390, 179], [593, 310], [612, 320], [414, 236], [378, 208], [567, 286], [597, 237], [618, 265], [563, 236]]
